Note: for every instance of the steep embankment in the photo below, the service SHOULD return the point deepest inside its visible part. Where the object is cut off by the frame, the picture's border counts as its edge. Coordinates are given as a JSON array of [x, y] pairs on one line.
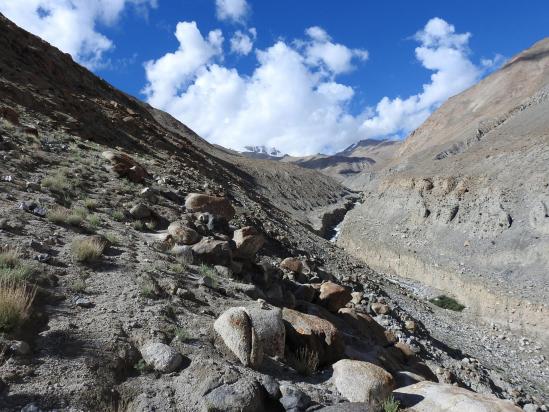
[[464, 207]]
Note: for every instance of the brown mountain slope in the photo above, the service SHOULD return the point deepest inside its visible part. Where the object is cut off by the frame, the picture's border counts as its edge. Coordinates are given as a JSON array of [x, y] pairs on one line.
[[464, 208], [353, 166]]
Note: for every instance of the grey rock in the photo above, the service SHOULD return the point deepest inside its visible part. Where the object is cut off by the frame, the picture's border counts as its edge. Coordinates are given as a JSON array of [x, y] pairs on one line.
[[293, 399], [361, 381], [429, 396], [161, 357], [215, 252], [242, 396], [83, 302], [20, 347], [269, 328], [140, 211], [183, 234], [248, 242], [271, 386], [234, 326]]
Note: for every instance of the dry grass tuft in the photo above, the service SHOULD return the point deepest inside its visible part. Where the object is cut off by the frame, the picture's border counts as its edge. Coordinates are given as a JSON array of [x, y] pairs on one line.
[[11, 267], [9, 257], [57, 182], [304, 361], [61, 215], [87, 249], [15, 304]]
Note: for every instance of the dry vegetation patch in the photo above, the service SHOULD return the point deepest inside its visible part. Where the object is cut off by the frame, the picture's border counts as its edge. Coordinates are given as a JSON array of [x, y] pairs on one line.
[[15, 304], [88, 249]]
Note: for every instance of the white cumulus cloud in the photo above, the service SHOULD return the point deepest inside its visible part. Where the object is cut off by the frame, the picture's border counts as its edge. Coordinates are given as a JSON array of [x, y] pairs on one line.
[[337, 57], [70, 25], [243, 43], [293, 100], [446, 54], [232, 10]]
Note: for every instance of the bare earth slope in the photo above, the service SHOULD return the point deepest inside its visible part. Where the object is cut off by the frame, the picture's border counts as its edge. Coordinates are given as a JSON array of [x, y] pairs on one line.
[[464, 207]]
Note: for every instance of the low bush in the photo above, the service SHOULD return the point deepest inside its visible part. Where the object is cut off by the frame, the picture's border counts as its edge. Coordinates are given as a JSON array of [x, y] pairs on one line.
[[57, 182], [447, 302], [90, 204], [11, 267], [64, 216], [87, 249], [15, 304], [118, 215]]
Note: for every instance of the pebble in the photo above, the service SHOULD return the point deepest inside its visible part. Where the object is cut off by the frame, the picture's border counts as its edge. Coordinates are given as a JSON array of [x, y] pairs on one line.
[[83, 303]]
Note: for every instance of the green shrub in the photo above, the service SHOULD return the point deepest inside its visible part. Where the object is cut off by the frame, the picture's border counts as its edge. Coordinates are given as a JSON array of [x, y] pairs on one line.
[[447, 302], [138, 225], [57, 182], [207, 270], [118, 215], [112, 238], [11, 267], [151, 225], [94, 221], [390, 404], [141, 367], [90, 204], [177, 268]]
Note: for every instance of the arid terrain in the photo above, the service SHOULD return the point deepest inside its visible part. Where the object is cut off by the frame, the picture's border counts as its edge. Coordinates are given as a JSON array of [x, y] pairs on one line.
[[143, 269]]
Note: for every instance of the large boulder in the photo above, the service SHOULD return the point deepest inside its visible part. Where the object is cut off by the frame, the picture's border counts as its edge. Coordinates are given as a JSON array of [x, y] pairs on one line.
[[214, 252], [362, 381], [182, 234], [249, 332], [269, 328], [234, 326], [217, 206], [314, 333], [365, 325], [161, 357], [333, 296], [125, 166], [429, 396], [245, 395], [248, 241]]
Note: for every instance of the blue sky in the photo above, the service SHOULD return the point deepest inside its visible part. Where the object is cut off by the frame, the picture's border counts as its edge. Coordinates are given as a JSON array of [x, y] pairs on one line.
[[303, 92]]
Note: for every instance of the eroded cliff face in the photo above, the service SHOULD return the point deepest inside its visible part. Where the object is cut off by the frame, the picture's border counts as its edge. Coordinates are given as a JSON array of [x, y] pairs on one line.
[[464, 208]]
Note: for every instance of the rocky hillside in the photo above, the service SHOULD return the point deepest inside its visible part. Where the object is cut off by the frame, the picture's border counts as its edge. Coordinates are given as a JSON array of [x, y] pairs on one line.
[[464, 206], [142, 269]]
